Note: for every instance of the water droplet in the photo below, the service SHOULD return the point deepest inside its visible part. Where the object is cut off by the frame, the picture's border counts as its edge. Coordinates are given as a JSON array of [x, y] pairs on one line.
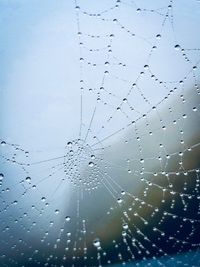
[[28, 179], [1, 176], [91, 164], [177, 47], [3, 143], [97, 243], [71, 152], [67, 219], [69, 144], [125, 226], [123, 233], [119, 200], [158, 36], [184, 116]]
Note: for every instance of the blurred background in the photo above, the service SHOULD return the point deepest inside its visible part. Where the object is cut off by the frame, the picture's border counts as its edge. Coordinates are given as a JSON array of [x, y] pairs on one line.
[[99, 155]]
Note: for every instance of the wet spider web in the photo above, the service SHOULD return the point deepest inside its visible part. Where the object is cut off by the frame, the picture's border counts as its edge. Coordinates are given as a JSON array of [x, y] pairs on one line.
[[126, 188]]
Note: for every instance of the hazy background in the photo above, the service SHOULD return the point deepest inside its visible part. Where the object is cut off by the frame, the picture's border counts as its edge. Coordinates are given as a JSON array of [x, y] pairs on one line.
[[40, 112]]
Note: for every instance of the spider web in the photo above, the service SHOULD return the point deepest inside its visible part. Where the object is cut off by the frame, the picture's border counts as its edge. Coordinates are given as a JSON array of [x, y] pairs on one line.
[[126, 188]]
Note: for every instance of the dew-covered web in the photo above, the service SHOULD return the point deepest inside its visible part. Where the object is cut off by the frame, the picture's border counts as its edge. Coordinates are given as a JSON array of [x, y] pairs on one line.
[[126, 188]]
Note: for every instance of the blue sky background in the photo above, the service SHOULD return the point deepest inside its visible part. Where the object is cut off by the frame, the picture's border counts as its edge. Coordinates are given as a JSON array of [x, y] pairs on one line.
[[40, 70]]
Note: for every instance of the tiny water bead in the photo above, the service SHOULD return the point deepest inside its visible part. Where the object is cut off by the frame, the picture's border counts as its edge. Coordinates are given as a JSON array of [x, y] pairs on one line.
[[3, 143], [119, 201], [28, 179], [91, 164], [125, 226], [92, 156], [57, 211], [15, 202], [67, 219], [97, 243], [177, 47], [69, 144], [158, 36], [1, 176]]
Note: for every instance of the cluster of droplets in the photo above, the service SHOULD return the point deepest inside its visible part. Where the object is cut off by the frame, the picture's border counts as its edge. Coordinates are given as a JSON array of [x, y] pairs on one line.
[[81, 165]]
